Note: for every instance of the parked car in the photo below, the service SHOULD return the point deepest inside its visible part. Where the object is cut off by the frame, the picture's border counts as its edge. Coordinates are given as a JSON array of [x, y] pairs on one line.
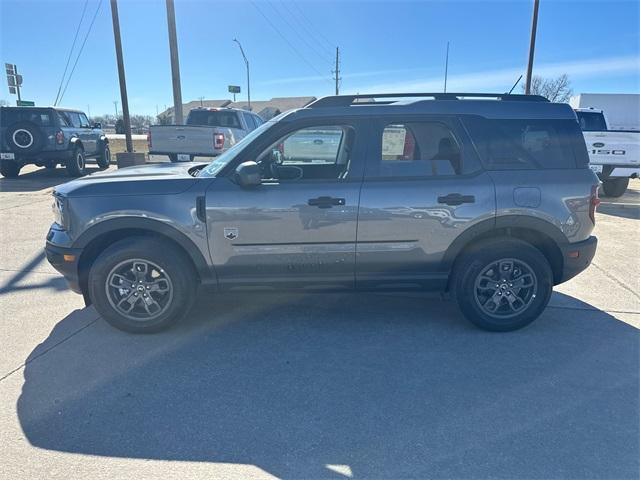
[[47, 137], [613, 154], [490, 199], [208, 133]]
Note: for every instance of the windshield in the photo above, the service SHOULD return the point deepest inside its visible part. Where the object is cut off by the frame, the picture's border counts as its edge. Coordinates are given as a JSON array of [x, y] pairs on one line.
[[221, 161]]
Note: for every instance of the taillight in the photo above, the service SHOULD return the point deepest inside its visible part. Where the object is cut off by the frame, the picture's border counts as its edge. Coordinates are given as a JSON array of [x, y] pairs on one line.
[[149, 139], [59, 137], [218, 141], [594, 201]]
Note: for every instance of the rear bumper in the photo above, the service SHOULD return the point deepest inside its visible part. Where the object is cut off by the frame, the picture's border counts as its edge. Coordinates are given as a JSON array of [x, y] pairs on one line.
[[42, 156], [65, 260], [577, 257]]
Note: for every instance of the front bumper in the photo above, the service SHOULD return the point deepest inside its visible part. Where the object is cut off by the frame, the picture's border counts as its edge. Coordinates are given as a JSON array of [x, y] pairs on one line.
[[577, 257], [65, 260]]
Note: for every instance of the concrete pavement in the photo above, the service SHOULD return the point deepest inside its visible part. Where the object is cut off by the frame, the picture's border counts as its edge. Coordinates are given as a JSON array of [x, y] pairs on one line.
[[316, 386]]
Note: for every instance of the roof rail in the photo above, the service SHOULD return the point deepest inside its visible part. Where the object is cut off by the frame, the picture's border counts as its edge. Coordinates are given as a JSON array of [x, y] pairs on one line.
[[370, 98]]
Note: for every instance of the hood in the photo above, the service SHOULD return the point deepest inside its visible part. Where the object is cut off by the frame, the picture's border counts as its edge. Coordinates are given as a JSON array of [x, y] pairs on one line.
[[155, 179]]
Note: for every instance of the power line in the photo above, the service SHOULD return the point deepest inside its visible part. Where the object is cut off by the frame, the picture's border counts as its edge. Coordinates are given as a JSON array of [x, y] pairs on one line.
[[73, 45], [289, 43], [309, 22], [320, 53], [81, 48]]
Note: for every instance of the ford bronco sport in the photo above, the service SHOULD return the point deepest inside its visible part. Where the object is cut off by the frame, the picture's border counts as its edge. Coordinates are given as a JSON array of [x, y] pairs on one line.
[[48, 137], [487, 197]]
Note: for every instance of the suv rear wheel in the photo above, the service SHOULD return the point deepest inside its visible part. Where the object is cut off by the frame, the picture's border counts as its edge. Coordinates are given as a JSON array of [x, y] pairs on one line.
[[76, 165], [502, 285], [9, 169], [142, 285]]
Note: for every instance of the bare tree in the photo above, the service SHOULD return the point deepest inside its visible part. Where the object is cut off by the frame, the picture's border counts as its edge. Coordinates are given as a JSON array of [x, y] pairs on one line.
[[4, 103], [554, 89]]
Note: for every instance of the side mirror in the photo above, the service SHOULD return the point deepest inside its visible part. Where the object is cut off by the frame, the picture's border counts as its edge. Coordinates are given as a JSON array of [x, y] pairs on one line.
[[97, 125], [248, 174]]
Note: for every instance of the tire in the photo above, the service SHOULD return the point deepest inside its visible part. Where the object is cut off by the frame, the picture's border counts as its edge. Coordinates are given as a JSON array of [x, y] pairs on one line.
[[615, 187], [104, 158], [175, 285], [9, 169], [173, 157], [488, 260], [77, 164], [24, 137], [50, 165]]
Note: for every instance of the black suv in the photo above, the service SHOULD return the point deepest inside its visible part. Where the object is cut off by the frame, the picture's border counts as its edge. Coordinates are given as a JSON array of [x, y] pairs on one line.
[[47, 137]]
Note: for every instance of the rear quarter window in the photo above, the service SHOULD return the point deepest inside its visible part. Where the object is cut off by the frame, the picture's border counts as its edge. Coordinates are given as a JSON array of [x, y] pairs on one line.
[[527, 144]]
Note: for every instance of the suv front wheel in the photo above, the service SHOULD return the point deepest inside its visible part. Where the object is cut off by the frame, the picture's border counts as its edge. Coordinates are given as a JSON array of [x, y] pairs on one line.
[[502, 285], [104, 157], [142, 285]]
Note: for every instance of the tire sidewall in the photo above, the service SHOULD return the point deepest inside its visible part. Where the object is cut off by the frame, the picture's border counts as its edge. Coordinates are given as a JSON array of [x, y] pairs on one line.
[[615, 187], [75, 167], [104, 159], [162, 254], [34, 130], [478, 259]]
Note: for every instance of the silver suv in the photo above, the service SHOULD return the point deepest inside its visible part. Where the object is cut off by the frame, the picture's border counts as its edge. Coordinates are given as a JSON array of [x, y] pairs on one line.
[[487, 197]]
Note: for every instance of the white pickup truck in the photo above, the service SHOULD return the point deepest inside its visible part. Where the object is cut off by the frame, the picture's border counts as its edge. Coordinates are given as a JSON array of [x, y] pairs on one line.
[[208, 133], [613, 154]]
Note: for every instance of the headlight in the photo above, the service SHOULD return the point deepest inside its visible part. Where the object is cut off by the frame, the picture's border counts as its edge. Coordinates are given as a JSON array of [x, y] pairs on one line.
[[58, 210]]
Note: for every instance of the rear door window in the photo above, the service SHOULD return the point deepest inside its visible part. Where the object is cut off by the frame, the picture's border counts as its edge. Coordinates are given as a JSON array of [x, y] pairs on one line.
[[418, 149], [74, 119], [524, 144]]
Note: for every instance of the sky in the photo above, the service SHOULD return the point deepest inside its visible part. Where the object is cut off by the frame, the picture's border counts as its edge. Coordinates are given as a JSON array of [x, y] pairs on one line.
[[386, 46]]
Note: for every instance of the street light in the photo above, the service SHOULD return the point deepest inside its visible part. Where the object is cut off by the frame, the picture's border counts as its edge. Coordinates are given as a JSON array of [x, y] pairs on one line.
[[246, 62]]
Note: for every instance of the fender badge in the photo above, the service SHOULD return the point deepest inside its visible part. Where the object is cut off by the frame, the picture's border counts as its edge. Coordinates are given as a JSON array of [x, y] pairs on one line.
[[231, 233]]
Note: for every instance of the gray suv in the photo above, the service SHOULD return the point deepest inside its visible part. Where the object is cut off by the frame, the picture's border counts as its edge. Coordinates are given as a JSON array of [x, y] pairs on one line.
[[486, 197], [48, 136]]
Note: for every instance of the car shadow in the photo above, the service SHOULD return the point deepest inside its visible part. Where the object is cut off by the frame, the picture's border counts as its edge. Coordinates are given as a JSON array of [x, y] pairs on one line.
[[40, 179], [627, 211], [313, 386]]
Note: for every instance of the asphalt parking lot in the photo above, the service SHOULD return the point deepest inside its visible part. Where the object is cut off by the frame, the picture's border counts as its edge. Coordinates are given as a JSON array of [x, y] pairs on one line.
[[317, 386]]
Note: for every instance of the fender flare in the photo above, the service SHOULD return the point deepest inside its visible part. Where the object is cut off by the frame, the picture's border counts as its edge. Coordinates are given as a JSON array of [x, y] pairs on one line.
[[154, 226], [103, 139], [505, 222], [75, 141]]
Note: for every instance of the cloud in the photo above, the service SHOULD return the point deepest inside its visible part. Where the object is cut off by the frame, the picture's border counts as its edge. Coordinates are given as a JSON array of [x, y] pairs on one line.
[[503, 79]]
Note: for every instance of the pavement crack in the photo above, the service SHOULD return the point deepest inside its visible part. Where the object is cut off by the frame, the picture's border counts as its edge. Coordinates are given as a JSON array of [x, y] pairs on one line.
[[619, 282], [44, 352]]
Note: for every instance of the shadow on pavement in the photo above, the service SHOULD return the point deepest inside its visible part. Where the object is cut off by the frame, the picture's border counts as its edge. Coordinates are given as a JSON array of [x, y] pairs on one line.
[[388, 386], [40, 179], [632, 212]]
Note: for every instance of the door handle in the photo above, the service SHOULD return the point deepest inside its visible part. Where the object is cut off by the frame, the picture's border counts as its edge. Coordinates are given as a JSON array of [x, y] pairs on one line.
[[325, 202], [456, 199]]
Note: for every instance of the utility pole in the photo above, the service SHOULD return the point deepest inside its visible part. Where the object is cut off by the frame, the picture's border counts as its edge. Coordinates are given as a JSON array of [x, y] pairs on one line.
[[201, 99], [123, 82], [175, 63], [532, 46], [246, 62], [89, 111], [115, 104], [446, 68], [338, 71]]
